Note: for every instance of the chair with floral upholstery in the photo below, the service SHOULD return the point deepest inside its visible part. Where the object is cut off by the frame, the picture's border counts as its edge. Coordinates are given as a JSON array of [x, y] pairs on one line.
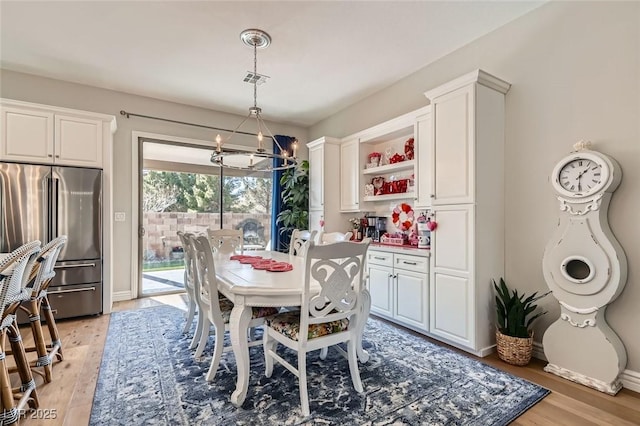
[[226, 240], [214, 310], [326, 318], [300, 241]]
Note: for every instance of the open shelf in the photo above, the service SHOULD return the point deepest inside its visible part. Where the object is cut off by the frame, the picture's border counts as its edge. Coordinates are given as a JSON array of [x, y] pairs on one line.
[[388, 168], [397, 196]]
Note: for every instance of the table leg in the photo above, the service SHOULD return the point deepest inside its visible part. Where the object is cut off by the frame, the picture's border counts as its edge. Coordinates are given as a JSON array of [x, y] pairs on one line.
[[363, 355], [238, 325]]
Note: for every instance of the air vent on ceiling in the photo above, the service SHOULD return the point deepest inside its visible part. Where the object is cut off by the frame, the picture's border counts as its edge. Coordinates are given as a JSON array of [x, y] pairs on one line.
[[256, 78]]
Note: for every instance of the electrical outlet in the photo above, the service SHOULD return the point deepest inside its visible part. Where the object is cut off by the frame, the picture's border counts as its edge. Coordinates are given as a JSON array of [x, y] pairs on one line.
[[120, 216]]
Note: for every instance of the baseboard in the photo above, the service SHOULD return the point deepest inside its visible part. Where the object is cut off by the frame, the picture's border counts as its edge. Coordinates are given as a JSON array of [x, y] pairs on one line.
[[119, 296], [630, 379]]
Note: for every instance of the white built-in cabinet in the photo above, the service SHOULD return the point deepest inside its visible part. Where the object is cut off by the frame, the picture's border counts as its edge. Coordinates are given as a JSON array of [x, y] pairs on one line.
[[324, 181], [32, 134], [467, 203], [349, 175], [399, 287]]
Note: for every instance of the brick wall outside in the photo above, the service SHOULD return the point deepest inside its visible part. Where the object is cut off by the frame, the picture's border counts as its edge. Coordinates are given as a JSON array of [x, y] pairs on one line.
[[160, 229]]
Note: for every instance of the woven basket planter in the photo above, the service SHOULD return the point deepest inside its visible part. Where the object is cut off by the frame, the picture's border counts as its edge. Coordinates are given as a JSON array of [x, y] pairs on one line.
[[514, 350]]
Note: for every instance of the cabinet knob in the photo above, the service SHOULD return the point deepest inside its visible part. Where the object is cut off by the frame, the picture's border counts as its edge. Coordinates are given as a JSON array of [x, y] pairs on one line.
[[57, 156], [432, 196], [49, 155]]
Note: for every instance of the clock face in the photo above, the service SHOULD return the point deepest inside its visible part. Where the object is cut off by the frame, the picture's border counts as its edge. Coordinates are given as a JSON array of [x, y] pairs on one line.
[[581, 176]]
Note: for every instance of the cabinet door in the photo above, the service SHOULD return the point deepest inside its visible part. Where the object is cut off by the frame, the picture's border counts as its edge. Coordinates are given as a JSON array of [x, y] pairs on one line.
[[452, 296], [27, 135], [316, 177], [423, 152], [450, 313], [315, 217], [380, 286], [349, 176], [78, 141], [453, 142], [411, 300]]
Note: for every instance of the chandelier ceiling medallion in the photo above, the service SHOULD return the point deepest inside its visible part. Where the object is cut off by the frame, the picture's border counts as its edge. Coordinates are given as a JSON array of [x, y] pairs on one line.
[[258, 159]]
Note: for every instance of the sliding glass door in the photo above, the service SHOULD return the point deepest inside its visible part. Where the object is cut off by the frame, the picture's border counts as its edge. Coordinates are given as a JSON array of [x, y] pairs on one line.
[[181, 191]]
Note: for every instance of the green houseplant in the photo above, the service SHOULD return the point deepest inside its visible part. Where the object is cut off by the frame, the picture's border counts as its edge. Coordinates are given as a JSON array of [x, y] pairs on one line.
[[295, 199], [515, 315]]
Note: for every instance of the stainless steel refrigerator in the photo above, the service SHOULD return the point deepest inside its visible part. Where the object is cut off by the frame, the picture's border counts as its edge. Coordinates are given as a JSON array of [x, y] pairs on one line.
[[39, 202]]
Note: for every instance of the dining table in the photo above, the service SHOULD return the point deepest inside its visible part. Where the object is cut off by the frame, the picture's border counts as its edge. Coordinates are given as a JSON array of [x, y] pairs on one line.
[[247, 287]]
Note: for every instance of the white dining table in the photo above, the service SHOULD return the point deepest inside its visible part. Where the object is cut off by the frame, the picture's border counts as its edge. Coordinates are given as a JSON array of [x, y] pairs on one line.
[[247, 287]]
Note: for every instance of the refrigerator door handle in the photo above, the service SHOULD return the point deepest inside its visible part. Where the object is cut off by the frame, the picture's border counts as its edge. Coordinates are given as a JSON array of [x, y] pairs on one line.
[[72, 291], [55, 193], [77, 265]]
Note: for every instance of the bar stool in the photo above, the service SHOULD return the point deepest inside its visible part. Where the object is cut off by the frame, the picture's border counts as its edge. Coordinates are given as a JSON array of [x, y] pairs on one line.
[[14, 271], [42, 274]]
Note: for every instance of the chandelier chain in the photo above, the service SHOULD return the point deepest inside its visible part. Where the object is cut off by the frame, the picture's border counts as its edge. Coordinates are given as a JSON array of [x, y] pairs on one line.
[[255, 74]]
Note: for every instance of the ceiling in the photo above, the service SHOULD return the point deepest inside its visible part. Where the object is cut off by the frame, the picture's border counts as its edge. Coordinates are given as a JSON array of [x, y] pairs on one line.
[[324, 55]]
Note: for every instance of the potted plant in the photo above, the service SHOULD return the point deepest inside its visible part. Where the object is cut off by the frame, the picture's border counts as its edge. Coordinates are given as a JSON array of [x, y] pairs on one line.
[[515, 313], [295, 200]]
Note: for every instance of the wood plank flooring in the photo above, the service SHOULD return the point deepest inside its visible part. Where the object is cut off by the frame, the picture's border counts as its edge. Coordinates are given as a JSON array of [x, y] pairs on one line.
[[74, 380]]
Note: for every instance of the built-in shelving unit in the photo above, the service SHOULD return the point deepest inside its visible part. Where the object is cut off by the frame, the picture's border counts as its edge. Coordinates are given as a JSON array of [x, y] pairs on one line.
[[389, 168]]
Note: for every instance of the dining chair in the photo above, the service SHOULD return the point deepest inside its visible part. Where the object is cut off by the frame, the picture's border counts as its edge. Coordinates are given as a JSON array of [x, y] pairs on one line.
[[300, 241], [326, 318], [14, 271], [217, 310], [333, 237], [189, 270], [40, 278], [226, 240]]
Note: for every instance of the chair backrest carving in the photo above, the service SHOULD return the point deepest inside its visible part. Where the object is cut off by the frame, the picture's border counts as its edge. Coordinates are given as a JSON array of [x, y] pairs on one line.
[[189, 258], [339, 271], [207, 283], [300, 241], [226, 240], [333, 237]]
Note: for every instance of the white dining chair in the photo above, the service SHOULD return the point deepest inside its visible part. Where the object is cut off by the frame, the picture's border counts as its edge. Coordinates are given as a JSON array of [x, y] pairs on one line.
[[300, 241], [189, 270], [217, 311], [325, 319], [333, 237], [226, 240]]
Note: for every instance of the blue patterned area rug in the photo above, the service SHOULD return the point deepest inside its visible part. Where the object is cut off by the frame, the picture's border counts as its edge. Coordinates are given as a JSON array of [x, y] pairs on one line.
[[149, 376]]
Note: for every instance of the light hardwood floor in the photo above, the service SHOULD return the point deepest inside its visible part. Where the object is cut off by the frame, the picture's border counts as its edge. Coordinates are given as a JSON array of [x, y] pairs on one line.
[[74, 380]]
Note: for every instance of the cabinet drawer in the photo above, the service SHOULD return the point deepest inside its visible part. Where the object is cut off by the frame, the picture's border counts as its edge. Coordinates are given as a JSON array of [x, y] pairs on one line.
[[380, 258], [411, 263]]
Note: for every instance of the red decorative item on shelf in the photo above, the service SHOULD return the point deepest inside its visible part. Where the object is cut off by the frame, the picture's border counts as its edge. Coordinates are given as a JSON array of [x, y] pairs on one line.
[[432, 225], [408, 149], [402, 217], [397, 158]]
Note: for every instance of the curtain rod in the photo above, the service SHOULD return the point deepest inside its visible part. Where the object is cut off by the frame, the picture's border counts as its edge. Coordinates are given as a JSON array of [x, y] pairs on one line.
[[132, 114]]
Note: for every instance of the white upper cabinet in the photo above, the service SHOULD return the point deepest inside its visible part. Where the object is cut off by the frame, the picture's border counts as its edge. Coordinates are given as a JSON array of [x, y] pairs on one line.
[[468, 136], [324, 159], [349, 176], [34, 133], [424, 159]]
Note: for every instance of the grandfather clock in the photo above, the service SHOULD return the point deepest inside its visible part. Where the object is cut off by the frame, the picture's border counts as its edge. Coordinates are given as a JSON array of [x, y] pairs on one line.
[[586, 268]]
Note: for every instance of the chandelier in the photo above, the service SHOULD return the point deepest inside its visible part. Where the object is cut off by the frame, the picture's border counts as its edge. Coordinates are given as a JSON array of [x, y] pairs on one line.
[[258, 159]]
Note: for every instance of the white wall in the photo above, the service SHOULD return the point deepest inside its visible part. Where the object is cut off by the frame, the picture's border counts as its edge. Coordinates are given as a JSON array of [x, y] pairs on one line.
[[30, 88], [575, 71]]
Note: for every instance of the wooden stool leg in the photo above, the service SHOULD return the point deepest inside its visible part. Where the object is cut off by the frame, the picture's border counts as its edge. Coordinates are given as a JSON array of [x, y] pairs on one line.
[[44, 360], [28, 386], [56, 344], [9, 414]]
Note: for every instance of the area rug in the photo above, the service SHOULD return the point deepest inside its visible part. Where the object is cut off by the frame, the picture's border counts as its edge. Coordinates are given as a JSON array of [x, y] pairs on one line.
[[149, 376]]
